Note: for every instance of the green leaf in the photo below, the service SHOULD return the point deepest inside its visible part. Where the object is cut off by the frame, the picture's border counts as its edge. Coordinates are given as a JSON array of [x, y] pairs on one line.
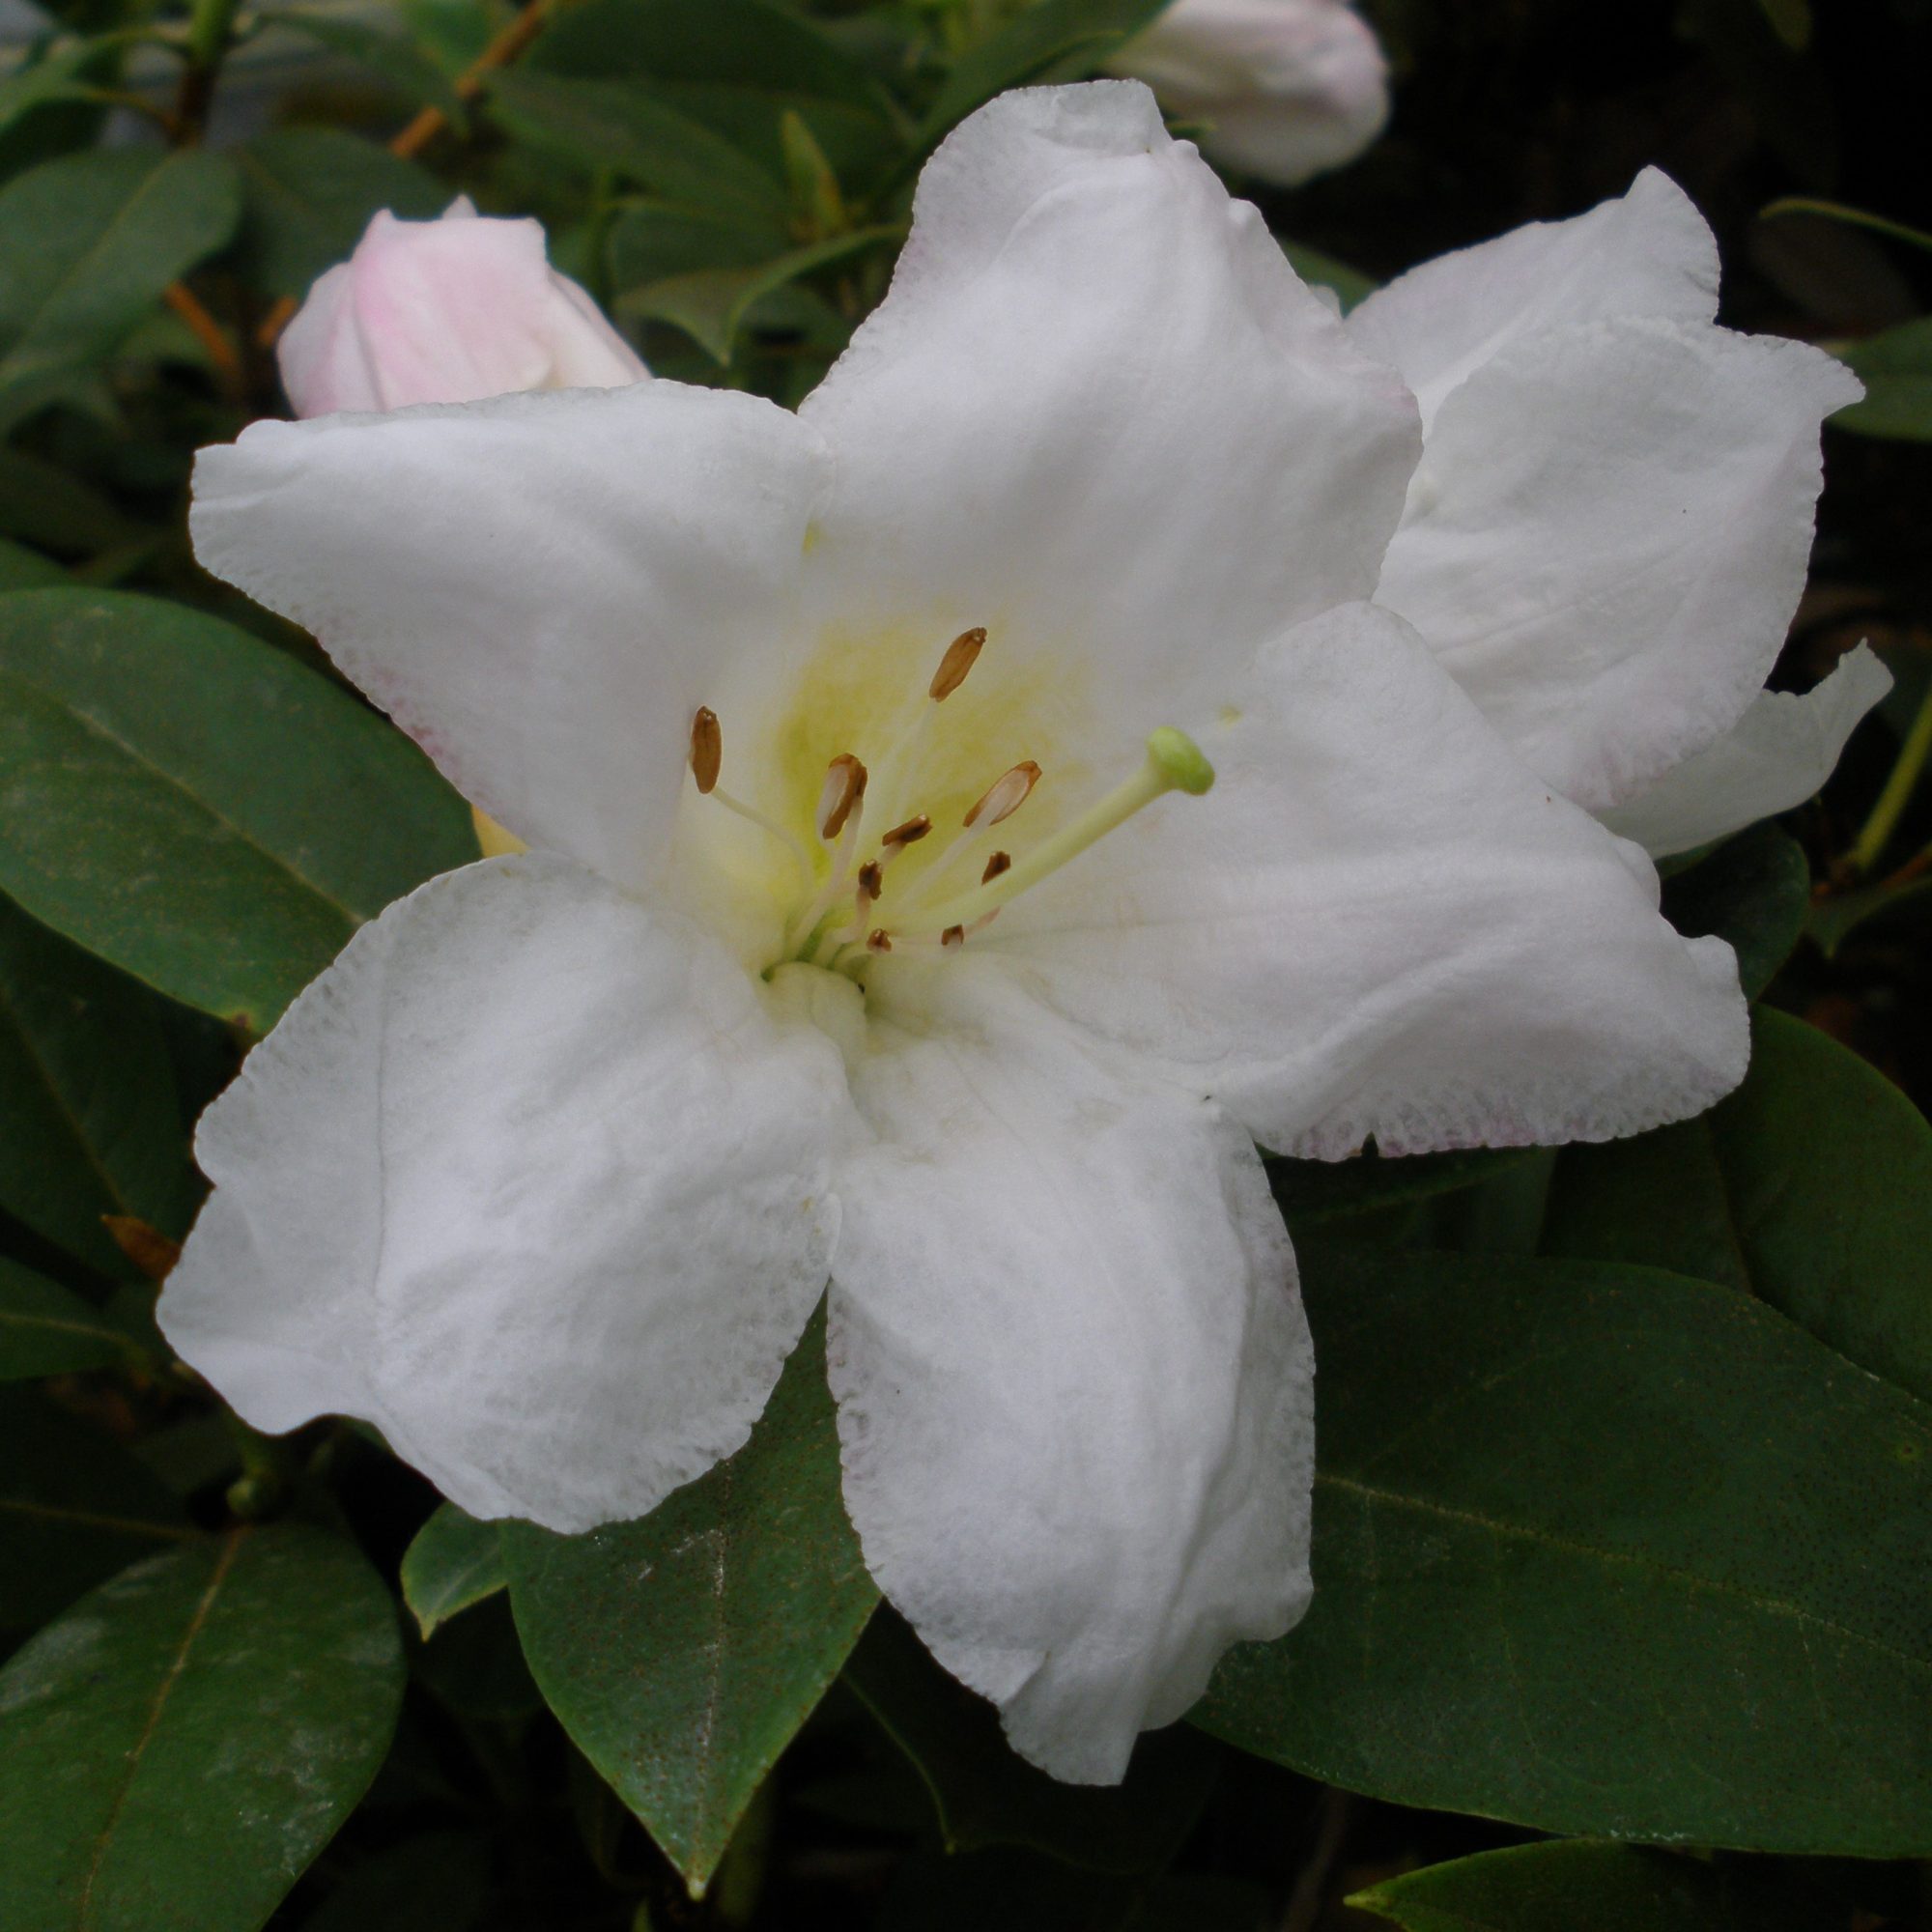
[[1895, 366], [1602, 1550], [1310, 1192], [74, 1508], [710, 304], [1325, 271], [682, 1652], [87, 245], [625, 129], [984, 1794], [1058, 39], [1790, 20], [88, 1121], [453, 1562], [1810, 1187], [1755, 890], [735, 65], [42, 504], [308, 194], [1833, 920], [177, 1747], [23, 569], [64, 73], [1585, 1888], [394, 56], [196, 806], [49, 1330]]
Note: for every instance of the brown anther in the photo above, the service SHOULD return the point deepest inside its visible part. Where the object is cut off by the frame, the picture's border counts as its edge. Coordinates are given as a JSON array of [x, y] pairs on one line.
[[960, 656], [878, 939], [952, 938], [1000, 862], [909, 834], [707, 748], [1006, 794], [871, 879], [844, 787]]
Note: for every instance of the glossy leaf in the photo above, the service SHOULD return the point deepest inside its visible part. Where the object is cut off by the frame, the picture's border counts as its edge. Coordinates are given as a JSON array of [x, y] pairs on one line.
[[177, 1747], [74, 1508], [1587, 1888], [1603, 1549], [984, 1794], [307, 195], [1755, 890], [393, 56], [710, 304], [88, 1121], [87, 245], [196, 806], [23, 569], [635, 135], [1812, 1186], [453, 1562], [1311, 1192], [46, 1329], [1895, 367], [736, 66], [683, 1651]]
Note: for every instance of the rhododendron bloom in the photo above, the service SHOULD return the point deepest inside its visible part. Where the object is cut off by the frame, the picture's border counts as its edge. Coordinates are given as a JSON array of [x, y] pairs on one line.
[[446, 311], [966, 816], [1284, 89], [1609, 530]]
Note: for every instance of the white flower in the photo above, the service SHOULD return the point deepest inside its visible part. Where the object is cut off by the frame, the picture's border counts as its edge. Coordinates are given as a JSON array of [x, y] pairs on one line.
[[1608, 531], [545, 1174], [1286, 89], [446, 311]]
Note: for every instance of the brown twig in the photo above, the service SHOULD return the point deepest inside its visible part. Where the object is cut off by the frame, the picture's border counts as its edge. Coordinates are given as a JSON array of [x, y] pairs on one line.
[[500, 52], [208, 332]]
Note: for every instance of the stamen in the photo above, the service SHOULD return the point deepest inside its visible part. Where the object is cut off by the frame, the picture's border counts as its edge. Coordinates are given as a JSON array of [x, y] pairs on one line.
[[871, 879], [999, 863], [707, 748], [844, 787], [909, 834], [1006, 794], [961, 654], [878, 939], [952, 938], [1174, 762]]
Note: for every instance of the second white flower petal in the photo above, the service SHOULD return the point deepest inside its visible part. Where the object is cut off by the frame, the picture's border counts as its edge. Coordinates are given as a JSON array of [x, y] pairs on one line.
[[1073, 1376], [531, 1180]]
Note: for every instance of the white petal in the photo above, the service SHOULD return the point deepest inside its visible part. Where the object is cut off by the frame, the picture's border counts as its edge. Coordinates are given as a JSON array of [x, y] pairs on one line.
[[1609, 535], [1099, 413], [531, 1180], [1647, 254], [1779, 752], [541, 589], [1379, 922], [1073, 1376]]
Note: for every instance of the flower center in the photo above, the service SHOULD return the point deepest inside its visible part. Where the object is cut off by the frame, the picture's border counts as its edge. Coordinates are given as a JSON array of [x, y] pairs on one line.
[[853, 899]]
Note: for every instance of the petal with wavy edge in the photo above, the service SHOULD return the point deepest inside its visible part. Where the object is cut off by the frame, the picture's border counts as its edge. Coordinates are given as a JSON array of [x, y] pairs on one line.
[[530, 1178], [1778, 753], [1649, 252], [1097, 407], [540, 589], [1609, 535], [1072, 1372], [1380, 923]]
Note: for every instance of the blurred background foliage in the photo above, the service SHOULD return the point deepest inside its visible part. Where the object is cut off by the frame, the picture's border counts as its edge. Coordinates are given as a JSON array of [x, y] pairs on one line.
[[1622, 1526]]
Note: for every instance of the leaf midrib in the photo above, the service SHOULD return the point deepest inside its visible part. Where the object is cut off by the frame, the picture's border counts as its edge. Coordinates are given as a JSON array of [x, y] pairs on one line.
[[1632, 1559], [108, 735]]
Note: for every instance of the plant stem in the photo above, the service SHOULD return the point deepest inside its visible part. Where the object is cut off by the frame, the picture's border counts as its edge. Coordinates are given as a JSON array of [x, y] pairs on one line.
[[208, 35], [500, 52], [1898, 788]]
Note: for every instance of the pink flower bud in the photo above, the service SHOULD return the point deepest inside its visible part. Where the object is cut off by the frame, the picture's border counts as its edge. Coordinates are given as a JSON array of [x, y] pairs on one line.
[[1287, 89], [446, 311]]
